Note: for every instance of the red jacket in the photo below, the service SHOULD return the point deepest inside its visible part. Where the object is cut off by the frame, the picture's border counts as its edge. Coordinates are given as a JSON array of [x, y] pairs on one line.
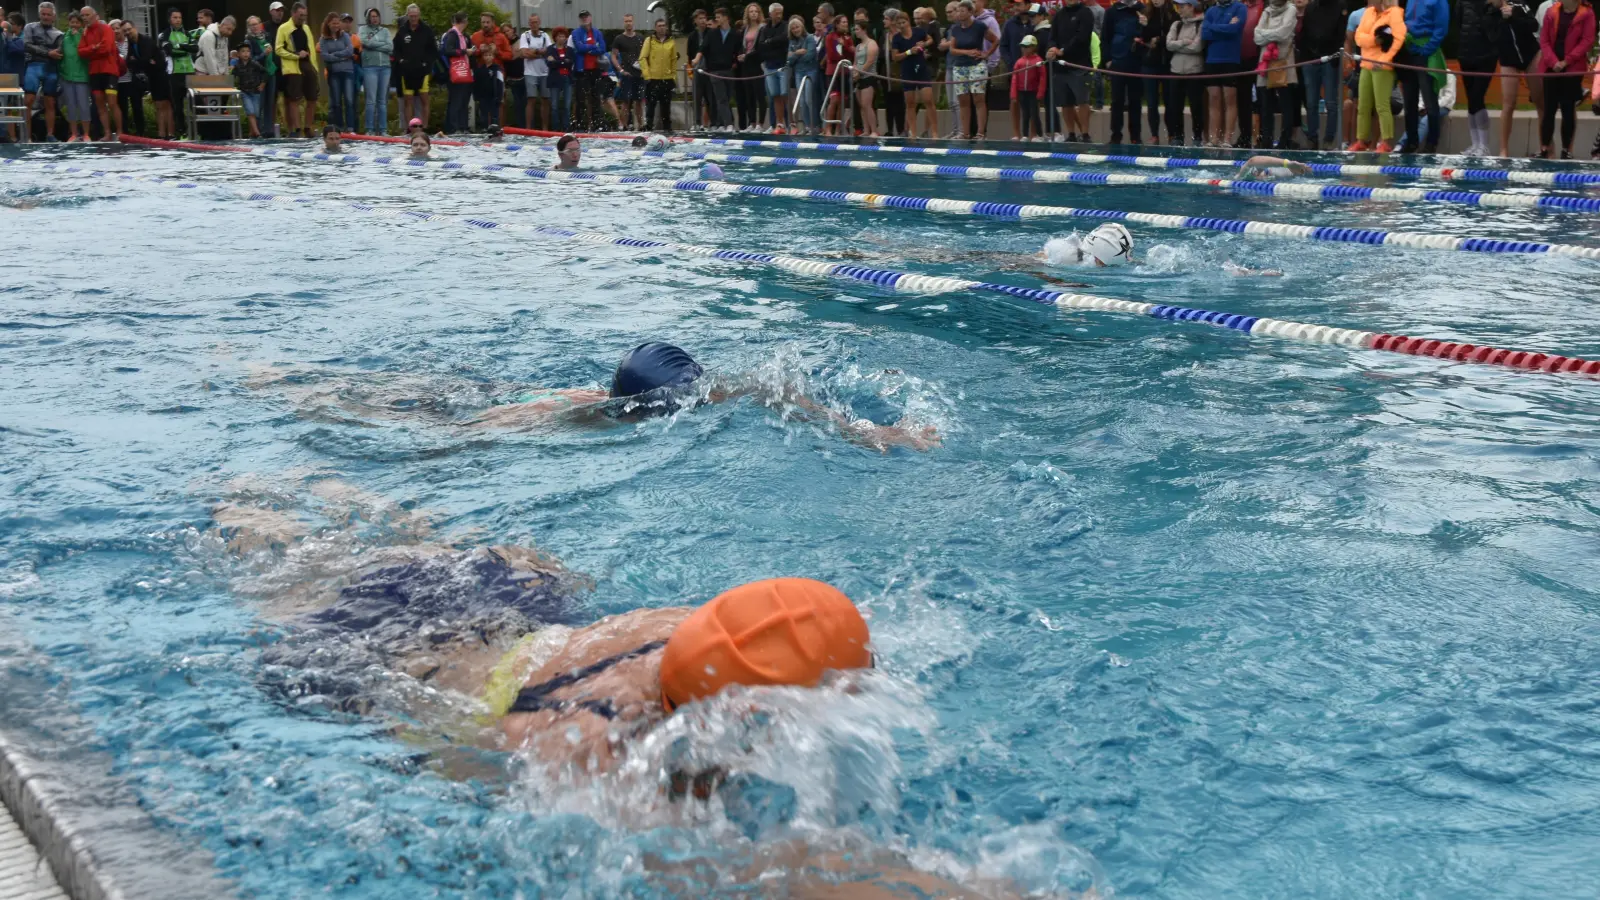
[[1580, 37], [1249, 50], [99, 46], [1028, 76], [502, 47]]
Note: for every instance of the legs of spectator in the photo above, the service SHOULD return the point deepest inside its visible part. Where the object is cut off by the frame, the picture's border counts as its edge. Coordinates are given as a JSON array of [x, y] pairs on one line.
[[1314, 80], [131, 101], [1126, 97], [268, 118], [1560, 95], [1248, 109], [375, 85], [1510, 87], [519, 101], [1224, 111], [1029, 114], [179, 86], [894, 112], [1475, 77], [560, 103], [1411, 84], [1153, 88], [455, 111], [483, 82]]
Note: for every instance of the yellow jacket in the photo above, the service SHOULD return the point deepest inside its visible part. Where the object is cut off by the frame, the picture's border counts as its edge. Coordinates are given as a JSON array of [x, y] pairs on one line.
[[286, 52], [658, 60], [1372, 55]]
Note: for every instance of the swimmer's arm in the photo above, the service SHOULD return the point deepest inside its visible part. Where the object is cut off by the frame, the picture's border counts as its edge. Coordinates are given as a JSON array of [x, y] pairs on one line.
[[807, 872], [578, 403], [1047, 278], [860, 432]]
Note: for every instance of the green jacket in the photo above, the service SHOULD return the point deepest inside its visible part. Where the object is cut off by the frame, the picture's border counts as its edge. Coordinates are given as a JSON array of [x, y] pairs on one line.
[[180, 48], [74, 68]]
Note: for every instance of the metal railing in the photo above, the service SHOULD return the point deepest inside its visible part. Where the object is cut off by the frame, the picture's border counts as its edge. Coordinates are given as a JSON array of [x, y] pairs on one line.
[[847, 105]]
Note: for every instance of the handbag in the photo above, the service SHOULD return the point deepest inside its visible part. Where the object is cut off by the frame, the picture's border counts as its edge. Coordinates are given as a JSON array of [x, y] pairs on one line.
[[460, 67]]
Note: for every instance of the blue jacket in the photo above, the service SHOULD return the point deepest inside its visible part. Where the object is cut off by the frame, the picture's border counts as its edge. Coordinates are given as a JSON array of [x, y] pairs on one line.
[[1011, 39], [13, 58], [586, 41], [1221, 33], [1117, 34], [1426, 24]]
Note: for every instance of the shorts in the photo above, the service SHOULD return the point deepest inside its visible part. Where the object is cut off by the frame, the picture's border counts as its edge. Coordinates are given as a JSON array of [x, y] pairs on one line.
[[252, 104], [160, 89], [630, 88], [1071, 86], [413, 83], [38, 81], [75, 97], [300, 87], [103, 84], [536, 85], [1225, 72], [777, 81], [969, 80], [841, 86]]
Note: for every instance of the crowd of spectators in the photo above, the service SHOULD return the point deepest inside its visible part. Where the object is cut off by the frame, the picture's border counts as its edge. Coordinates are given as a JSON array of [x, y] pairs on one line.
[[1290, 74]]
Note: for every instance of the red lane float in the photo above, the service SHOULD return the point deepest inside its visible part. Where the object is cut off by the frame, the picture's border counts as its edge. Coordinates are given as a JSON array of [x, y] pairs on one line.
[[178, 145], [1491, 356]]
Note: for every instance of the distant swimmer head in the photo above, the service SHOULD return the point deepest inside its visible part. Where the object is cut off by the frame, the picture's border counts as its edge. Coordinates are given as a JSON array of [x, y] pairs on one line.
[[711, 172], [1110, 245], [657, 143], [639, 142], [652, 373], [781, 631]]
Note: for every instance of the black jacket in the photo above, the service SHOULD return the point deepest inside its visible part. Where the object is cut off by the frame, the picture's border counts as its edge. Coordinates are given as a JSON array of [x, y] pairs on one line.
[[720, 53], [752, 60], [772, 44], [1071, 30], [1158, 21], [415, 50], [145, 57], [1519, 35], [1322, 30]]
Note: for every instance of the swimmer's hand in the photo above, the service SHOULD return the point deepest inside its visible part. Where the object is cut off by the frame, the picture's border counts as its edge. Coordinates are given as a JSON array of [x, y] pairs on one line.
[[1232, 268], [903, 433]]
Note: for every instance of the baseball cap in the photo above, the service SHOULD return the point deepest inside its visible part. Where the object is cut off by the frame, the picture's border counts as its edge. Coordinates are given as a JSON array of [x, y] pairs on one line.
[[584, 14], [1035, 9], [275, 5], [1030, 41]]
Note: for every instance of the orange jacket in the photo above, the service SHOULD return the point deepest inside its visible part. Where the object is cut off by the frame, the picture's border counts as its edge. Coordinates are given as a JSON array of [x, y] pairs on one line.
[[99, 47], [1372, 55], [502, 47]]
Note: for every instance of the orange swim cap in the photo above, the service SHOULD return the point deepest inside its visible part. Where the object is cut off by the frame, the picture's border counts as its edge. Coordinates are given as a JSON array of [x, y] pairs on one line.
[[779, 631]]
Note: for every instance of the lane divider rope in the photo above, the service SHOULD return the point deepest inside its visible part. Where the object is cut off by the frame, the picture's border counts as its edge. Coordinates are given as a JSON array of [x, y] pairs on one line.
[[1321, 233], [906, 282]]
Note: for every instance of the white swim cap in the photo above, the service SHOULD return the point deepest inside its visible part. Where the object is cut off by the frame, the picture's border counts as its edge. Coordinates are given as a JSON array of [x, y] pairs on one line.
[[1110, 244], [657, 143]]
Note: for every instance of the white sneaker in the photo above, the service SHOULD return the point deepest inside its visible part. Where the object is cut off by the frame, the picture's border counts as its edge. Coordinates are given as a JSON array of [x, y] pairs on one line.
[[1059, 138]]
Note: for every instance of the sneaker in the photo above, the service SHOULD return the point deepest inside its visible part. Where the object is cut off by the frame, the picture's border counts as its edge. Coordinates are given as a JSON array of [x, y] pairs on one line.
[[1385, 147], [1566, 154], [1358, 147], [1058, 137], [778, 129]]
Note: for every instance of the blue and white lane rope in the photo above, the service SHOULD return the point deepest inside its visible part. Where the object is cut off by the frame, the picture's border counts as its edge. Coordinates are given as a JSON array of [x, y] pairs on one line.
[[1446, 173], [905, 282], [1323, 233]]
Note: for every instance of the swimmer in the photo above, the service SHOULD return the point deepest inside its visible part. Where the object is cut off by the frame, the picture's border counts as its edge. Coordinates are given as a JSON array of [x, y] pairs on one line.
[[568, 151], [421, 146], [1271, 168], [414, 126], [657, 143], [711, 172], [494, 135], [657, 378], [1237, 271], [1108, 245], [330, 140]]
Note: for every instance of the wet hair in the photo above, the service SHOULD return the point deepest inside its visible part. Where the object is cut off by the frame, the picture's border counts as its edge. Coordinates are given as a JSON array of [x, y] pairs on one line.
[[566, 141], [330, 128], [639, 140]]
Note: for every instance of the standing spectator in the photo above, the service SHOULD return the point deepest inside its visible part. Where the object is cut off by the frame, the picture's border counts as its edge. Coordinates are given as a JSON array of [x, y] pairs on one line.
[[1276, 75], [1249, 57], [1322, 24], [966, 44], [923, 17], [1071, 34], [1120, 55], [490, 51], [44, 48], [908, 47], [749, 90], [699, 82], [658, 64], [1564, 42], [803, 72], [75, 80], [866, 61], [625, 50], [1222, 30], [589, 46], [1381, 35], [1027, 84], [1519, 51], [838, 47], [1158, 18], [415, 52], [250, 77], [894, 90], [991, 61], [1427, 21], [262, 35], [296, 48], [516, 70], [457, 50], [149, 69], [1478, 48], [719, 51], [99, 48], [348, 23], [377, 54], [772, 42], [211, 48], [338, 54], [178, 47], [1011, 35], [127, 104], [535, 74], [13, 56], [1188, 58], [1039, 27], [821, 27], [559, 63]]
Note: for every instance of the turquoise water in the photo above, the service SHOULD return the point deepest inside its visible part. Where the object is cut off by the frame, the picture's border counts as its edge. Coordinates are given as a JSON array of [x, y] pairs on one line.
[[1173, 612]]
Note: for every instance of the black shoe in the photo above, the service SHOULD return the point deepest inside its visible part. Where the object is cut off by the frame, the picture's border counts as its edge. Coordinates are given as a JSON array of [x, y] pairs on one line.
[[1116, 139], [1407, 148], [1566, 154], [1430, 148]]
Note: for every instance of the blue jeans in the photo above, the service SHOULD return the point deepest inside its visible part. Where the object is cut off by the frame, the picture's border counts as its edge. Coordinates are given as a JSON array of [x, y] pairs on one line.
[[1322, 85], [342, 100], [375, 81], [809, 113], [560, 105]]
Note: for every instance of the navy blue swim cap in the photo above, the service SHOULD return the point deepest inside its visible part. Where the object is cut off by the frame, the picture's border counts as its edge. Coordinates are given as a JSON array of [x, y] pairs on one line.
[[652, 366]]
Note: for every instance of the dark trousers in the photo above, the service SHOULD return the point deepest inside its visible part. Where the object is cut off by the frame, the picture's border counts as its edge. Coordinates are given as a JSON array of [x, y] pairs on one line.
[[180, 99], [455, 110], [1126, 96], [269, 106], [721, 114], [519, 102], [488, 91], [1194, 91], [586, 109], [1029, 105], [1154, 89], [658, 105], [1476, 75], [752, 97], [703, 101], [131, 101], [1413, 83], [1247, 107], [1277, 106], [894, 111], [1562, 94]]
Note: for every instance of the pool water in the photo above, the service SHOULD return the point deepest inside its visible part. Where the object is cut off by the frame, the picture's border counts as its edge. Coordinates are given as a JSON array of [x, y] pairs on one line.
[[1172, 612]]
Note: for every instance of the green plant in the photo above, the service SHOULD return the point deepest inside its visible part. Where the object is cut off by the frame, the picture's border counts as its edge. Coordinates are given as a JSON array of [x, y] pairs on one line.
[[439, 13]]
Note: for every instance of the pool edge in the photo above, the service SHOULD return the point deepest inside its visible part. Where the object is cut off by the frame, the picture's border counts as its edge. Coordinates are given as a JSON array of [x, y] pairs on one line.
[[70, 859]]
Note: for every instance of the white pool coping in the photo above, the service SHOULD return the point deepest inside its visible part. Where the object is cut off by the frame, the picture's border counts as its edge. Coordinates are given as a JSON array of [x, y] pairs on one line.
[[24, 874]]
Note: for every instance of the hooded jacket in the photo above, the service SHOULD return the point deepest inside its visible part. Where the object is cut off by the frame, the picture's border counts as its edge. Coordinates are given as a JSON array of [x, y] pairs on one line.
[[1580, 38], [1222, 30], [1117, 35], [1427, 22], [1188, 50], [1373, 55], [1277, 27]]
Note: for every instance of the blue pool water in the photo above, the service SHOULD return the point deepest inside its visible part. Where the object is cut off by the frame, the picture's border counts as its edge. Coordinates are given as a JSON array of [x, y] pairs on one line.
[[1173, 612]]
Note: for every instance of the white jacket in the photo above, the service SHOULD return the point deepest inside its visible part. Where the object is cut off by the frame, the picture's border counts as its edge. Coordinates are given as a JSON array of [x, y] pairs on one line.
[[1277, 27], [212, 59]]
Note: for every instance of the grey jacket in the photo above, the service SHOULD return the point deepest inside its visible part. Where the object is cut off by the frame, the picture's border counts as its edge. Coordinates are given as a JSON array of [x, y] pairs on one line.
[[377, 46], [338, 54], [1277, 27], [38, 41], [1188, 50]]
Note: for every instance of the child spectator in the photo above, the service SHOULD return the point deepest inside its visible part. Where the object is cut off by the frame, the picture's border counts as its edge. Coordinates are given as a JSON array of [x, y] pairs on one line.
[[251, 78]]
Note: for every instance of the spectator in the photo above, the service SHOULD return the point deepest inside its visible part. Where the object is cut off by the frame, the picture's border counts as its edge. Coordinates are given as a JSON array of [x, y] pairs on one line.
[[1071, 34], [1158, 18], [1380, 37], [13, 55], [44, 48], [866, 61], [991, 61], [1120, 55], [589, 46], [625, 50], [124, 80], [1519, 50], [338, 54], [1222, 30], [658, 64], [98, 48], [924, 18], [908, 48], [839, 47], [1478, 49], [568, 151], [75, 80], [251, 79], [1322, 24], [490, 52], [296, 48], [415, 52], [1027, 84], [803, 71], [1249, 56], [1188, 58], [261, 36], [719, 51], [179, 48], [559, 63], [211, 48], [348, 23], [532, 47], [1011, 35], [894, 90], [377, 55], [966, 42], [1427, 21], [1039, 27], [750, 89], [699, 82], [821, 27], [516, 70], [1352, 72], [1565, 39], [772, 42], [1276, 74], [457, 50], [149, 70]]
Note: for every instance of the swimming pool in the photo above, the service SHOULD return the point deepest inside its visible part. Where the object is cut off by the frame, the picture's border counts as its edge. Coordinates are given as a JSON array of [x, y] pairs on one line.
[[1174, 611]]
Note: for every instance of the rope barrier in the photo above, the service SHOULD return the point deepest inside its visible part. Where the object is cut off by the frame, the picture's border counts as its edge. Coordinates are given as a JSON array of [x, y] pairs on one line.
[[905, 282], [1320, 233], [1229, 78]]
